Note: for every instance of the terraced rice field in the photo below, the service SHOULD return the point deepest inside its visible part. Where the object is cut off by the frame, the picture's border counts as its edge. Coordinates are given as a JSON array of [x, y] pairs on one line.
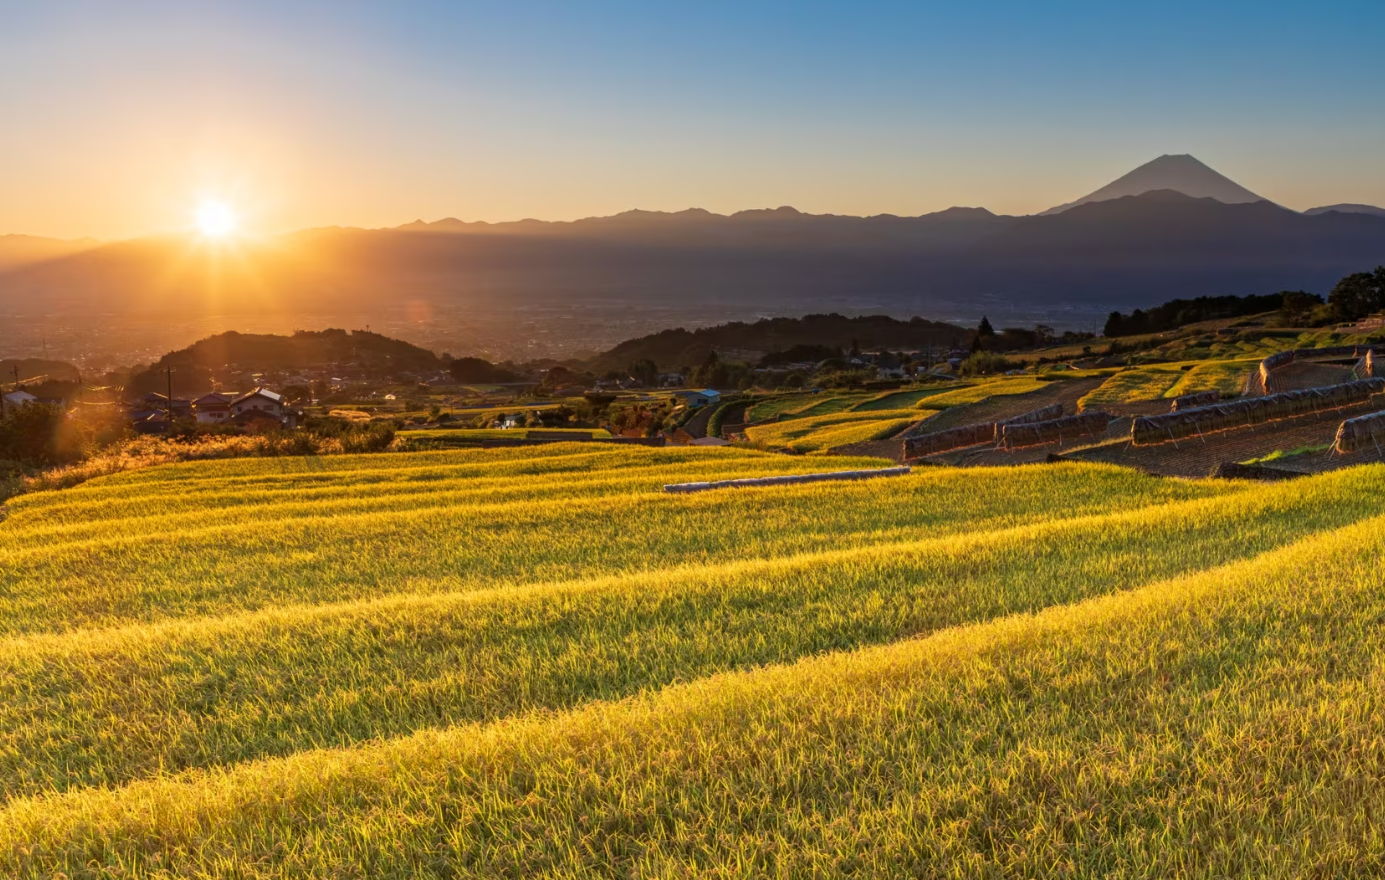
[[901, 399], [1226, 377], [837, 403], [1142, 383], [533, 662], [444, 437], [983, 391], [767, 409], [818, 433]]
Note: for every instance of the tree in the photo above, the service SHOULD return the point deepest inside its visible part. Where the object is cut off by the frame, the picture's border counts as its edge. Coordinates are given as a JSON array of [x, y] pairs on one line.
[[474, 369], [982, 363], [984, 334], [644, 371], [1358, 295], [1296, 309]]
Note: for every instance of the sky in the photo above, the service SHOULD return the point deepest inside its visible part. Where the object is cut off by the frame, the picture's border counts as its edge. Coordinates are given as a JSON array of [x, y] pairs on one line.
[[120, 119]]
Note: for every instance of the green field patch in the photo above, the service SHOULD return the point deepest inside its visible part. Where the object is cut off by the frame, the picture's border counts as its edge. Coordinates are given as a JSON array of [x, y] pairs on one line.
[[1226, 377]]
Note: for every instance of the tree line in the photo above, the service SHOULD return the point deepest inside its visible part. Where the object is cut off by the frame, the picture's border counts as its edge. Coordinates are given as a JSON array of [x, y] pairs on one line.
[[1354, 297]]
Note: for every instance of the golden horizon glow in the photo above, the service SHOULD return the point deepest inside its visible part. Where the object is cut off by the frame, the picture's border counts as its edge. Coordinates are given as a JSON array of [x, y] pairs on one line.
[[216, 219]]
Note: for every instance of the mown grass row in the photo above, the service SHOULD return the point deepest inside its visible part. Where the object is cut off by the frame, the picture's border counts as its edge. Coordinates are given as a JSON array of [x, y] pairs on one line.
[[1222, 724], [126, 576], [105, 707]]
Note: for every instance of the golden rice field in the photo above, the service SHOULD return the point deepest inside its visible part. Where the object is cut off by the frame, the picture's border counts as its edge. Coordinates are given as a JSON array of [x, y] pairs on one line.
[[1141, 383], [819, 433], [535, 663], [1227, 377], [979, 392]]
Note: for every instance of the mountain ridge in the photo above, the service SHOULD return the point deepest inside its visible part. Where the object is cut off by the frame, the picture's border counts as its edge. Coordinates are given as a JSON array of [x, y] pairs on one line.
[[1115, 253]]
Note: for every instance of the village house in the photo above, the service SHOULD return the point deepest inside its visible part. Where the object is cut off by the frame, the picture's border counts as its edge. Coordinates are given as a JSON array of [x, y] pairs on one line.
[[19, 397], [259, 400], [214, 408], [154, 402]]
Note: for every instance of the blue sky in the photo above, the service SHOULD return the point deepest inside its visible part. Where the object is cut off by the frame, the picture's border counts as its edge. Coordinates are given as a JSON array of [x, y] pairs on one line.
[[119, 116]]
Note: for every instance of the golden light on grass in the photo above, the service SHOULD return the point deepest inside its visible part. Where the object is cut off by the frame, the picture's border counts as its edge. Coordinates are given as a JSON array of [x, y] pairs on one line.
[[216, 219]]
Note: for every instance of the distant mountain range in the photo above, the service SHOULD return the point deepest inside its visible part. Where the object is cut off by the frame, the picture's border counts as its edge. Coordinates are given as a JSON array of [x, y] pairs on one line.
[[1172, 227], [1348, 209], [17, 251]]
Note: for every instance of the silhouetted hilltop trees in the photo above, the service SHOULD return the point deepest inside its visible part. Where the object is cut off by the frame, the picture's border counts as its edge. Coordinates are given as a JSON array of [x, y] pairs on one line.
[[812, 334], [1354, 297], [800, 354], [478, 370], [305, 348], [1179, 312]]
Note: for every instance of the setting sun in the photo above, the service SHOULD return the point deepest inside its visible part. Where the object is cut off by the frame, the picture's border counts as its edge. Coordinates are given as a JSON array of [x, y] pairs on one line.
[[216, 219]]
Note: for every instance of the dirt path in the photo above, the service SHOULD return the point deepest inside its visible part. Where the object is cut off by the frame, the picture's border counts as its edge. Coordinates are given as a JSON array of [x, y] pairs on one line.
[[697, 425]]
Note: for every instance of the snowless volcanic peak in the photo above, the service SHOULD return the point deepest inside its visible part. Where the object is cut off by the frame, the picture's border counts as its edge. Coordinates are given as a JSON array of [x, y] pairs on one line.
[[1182, 174]]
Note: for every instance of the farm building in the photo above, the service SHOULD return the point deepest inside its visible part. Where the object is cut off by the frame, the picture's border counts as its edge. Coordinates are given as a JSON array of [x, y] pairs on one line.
[[698, 398]]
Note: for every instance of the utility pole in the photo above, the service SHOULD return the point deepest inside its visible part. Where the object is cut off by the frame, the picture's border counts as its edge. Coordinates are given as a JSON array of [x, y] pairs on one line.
[[169, 372], [2, 390]]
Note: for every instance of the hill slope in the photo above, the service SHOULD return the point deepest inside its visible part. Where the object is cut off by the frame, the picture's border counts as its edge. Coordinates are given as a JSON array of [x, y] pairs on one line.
[[690, 347], [265, 351]]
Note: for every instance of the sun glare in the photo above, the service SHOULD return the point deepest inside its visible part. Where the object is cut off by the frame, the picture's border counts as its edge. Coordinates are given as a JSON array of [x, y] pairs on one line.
[[216, 219]]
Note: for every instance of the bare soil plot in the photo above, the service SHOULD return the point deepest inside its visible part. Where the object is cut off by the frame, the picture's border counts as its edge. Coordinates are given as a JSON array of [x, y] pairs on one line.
[[1302, 375]]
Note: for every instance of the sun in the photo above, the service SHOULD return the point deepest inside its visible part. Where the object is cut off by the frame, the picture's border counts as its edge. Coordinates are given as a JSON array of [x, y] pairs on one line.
[[216, 219]]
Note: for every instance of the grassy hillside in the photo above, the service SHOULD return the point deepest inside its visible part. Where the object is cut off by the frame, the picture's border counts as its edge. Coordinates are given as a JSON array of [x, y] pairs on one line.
[[534, 662]]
